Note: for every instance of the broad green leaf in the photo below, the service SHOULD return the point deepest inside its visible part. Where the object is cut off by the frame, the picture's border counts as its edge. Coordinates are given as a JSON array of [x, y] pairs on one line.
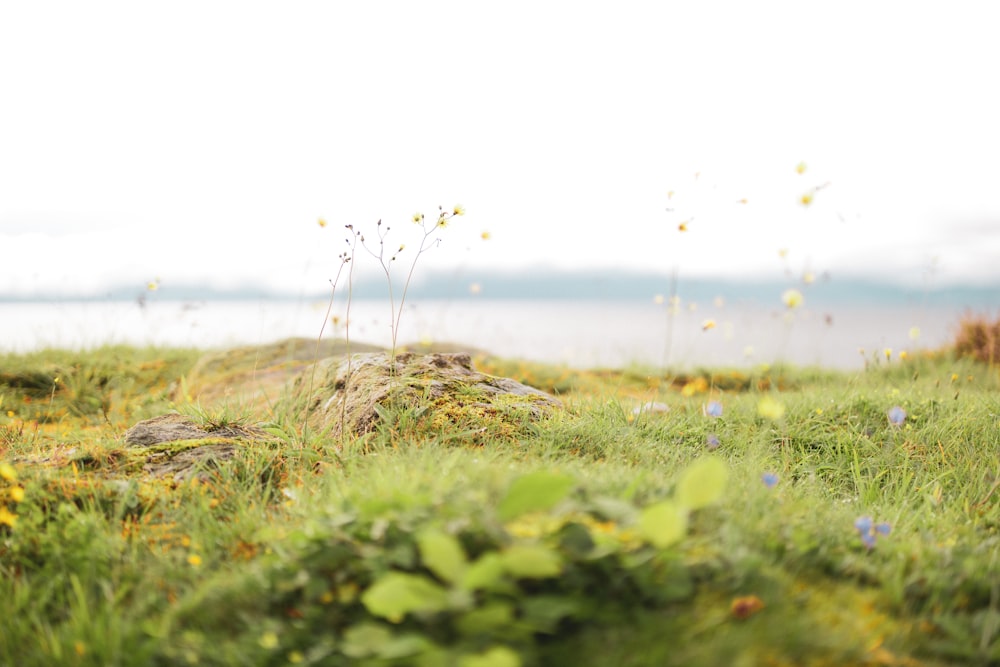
[[485, 619], [531, 561], [702, 483], [663, 524], [404, 646], [484, 573], [534, 492], [396, 594], [498, 656], [442, 554], [364, 640]]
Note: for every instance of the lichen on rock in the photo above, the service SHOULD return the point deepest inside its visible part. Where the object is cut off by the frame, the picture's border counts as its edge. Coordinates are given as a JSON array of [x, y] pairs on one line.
[[350, 393]]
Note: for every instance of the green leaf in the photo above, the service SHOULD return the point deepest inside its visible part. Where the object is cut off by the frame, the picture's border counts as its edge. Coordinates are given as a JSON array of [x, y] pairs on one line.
[[364, 640], [486, 572], [702, 483], [663, 524], [531, 561], [534, 492], [442, 554], [486, 619], [497, 656], [396, 594]]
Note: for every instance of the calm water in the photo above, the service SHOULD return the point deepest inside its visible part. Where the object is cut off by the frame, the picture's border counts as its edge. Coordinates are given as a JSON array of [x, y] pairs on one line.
[[578, 333]]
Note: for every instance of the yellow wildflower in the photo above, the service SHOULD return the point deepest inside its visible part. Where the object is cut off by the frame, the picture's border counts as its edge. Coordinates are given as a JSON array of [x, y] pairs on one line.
[[322, 222], [485, 236], [683, 226], [806, 199], [770, 408], [194, 560], [7, 518], [903, 354], [708, 324], [792, 298], [268, 640], [7, 472], [16, 494], [800, 168], [418, 218], [914, 333], [458, 210]]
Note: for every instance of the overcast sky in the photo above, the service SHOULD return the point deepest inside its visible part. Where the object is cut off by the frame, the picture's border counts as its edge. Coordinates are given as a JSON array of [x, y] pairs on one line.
[[202, 141]]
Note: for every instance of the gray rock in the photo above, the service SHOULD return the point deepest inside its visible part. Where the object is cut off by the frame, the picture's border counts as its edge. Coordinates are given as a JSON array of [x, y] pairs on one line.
[[349, 391]]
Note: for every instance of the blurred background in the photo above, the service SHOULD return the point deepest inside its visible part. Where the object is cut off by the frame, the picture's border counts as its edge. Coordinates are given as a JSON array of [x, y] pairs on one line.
[[641, 182]]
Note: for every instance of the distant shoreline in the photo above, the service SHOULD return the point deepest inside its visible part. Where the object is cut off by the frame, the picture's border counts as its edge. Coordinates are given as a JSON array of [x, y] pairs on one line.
[[568, 286]]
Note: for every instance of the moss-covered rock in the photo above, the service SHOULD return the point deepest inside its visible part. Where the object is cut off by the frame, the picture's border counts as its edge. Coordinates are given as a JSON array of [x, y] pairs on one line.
[[349, 394]]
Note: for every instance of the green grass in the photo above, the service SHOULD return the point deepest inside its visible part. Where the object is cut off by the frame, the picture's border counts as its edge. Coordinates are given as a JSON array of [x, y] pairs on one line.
[[417, 546]]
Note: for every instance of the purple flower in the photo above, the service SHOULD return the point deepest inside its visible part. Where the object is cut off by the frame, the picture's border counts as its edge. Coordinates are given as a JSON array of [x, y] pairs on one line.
[[863, 524], [712, 441], [769, 479], [713, 409], [869, 531], [897, 415]]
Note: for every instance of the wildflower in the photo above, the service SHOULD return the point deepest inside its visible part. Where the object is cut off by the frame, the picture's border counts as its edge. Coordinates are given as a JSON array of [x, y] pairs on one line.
[[713, 409], [771, 409], [868, 530], [485, 236], [7, 472], [442, 222], [194, 560], [295, 657], [800, 168], [782, 253], [770, 479], [888, 353], [683, 227], [322, 222], [659, 299], [268, 640], [7, 518], [16, 494], [792, 298], [897, 415], [458, 210], [418, 218], [809, 277], [152, 286], [914, 333], [903, 355], [712, 441], [806, 199], [708, 324], [744, 607]]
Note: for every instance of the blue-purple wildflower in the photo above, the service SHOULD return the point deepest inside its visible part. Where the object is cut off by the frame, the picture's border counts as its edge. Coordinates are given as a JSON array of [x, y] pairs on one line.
[[897, 415], [713, 409], [869, 531], [770, 479], [712, 441]]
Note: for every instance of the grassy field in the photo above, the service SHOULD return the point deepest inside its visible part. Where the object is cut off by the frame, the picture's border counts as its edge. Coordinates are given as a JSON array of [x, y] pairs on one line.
[[776, 517]]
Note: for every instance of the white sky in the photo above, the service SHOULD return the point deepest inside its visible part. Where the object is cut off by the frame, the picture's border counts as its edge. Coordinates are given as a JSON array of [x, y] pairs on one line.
[[201, 141]]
